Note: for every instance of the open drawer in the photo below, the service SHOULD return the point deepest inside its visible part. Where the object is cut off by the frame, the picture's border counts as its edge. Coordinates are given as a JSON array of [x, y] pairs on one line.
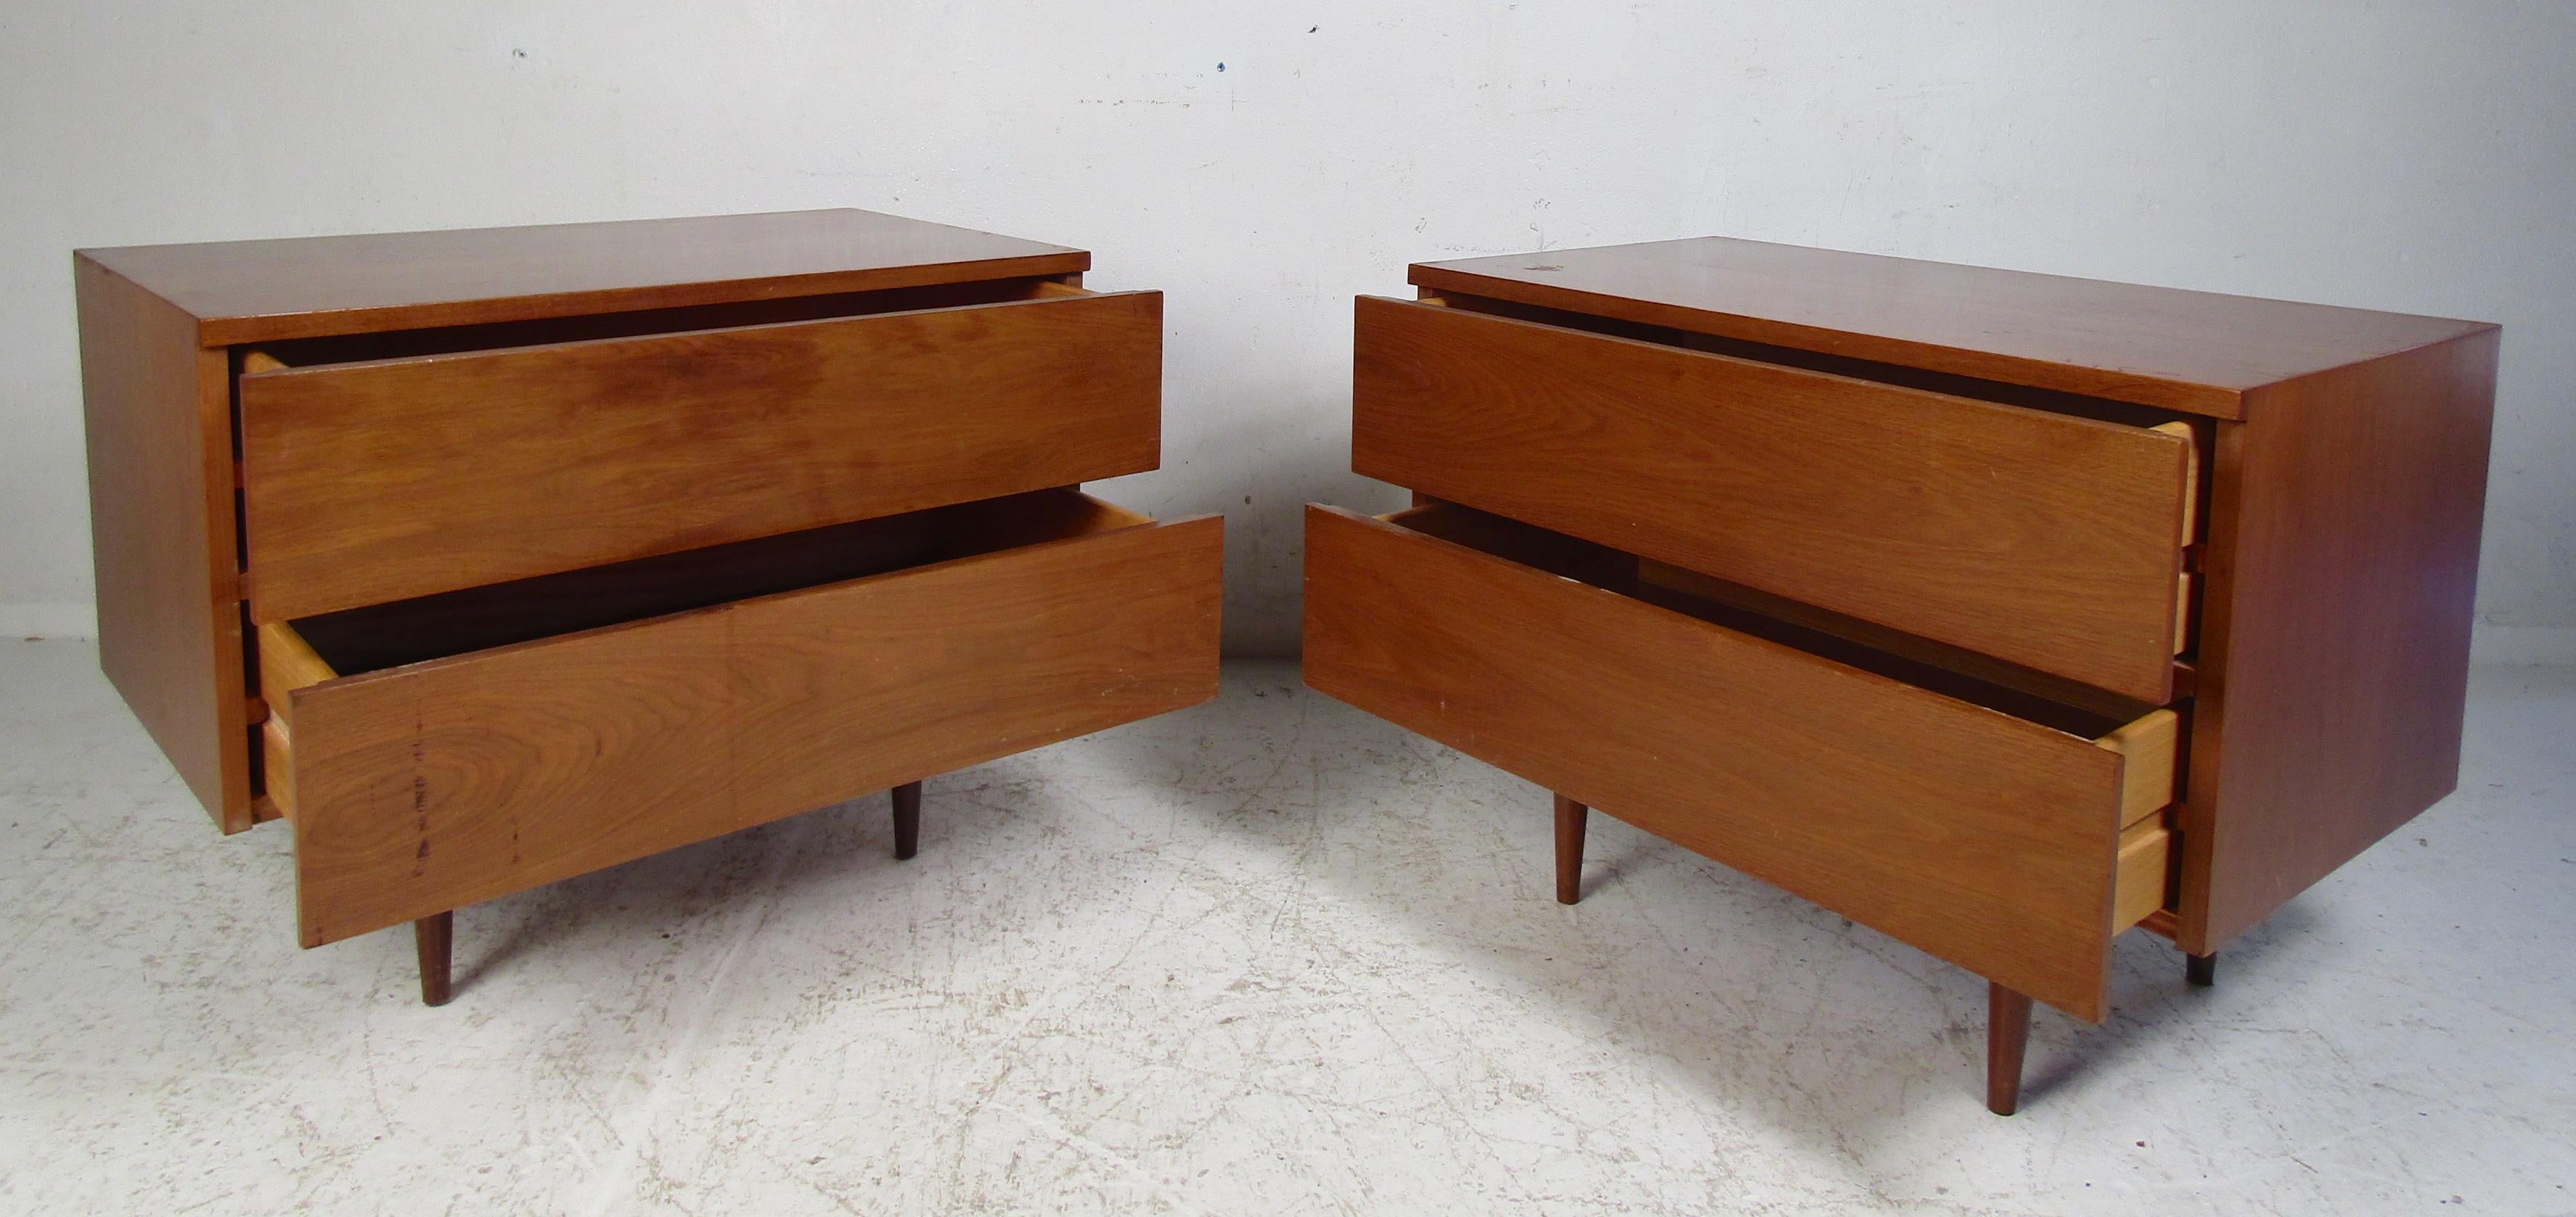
[[2040, 537], [442, 751], [2006, 834], [378, 470]]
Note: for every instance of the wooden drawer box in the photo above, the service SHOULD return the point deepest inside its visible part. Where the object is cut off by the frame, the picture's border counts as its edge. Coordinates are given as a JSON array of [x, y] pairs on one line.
[[686, 439], [492, 558], [2046, 539], [433, 755], [1940, 817], [1999, 612]]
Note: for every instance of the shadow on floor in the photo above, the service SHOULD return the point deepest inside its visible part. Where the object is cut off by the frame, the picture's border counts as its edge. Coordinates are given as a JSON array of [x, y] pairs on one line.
[[1363, 766]]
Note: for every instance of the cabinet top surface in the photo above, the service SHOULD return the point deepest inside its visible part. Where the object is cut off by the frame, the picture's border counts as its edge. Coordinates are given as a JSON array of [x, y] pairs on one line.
[[249, 291], [2159, 346]]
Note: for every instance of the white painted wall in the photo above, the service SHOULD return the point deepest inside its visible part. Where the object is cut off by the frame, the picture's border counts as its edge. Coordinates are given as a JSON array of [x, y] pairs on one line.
[[1262, 162]]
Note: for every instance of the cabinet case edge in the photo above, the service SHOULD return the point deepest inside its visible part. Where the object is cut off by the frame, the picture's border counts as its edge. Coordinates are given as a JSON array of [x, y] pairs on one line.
[[2342, 579], [158, 416]]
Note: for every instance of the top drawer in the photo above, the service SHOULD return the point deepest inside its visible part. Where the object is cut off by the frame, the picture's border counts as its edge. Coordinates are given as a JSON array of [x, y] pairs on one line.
[[2046, 540], [388, 479]]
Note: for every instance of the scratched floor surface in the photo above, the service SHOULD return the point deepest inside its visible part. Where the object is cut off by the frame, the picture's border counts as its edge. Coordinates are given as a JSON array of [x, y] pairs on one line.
[[1266, 956]]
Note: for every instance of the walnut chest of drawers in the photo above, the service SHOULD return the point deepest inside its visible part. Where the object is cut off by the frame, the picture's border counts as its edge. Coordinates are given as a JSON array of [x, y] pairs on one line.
[[1999, 612], [491, 558]]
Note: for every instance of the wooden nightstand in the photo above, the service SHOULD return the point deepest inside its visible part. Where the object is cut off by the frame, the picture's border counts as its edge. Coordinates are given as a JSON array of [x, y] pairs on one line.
[[491, 558], [1999, 612]]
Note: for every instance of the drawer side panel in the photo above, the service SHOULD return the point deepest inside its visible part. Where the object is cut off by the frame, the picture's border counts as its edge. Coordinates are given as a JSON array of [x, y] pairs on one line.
[[1973, 835]]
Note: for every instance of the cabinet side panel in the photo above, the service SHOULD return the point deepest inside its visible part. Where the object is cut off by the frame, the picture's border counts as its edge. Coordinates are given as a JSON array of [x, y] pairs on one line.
[[161, 533], [2343, 572]]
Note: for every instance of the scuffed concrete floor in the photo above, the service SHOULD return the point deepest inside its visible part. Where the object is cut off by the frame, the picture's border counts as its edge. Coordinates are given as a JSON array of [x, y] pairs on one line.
[[1266, 956]]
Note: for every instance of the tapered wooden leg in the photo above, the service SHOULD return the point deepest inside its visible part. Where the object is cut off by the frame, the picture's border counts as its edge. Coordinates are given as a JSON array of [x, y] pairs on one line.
[[435, 938], [1570, 816], [907, 819], [2200, 970], [2007, 1035]]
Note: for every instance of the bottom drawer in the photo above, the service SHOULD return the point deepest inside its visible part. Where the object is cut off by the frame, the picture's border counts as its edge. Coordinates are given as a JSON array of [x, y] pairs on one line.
[[437, 752], [2008, 835]]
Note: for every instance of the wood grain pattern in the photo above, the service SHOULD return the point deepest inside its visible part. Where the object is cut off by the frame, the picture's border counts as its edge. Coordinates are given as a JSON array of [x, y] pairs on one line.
[[434, 942], [2055, 401], [2150, 751], [2146, 850], [2007, 1042], [1976, 836], [2186, 589], [2341, 577], [286, 664], [2322, 601], [277, 754], [159, 414], [524, 610], [2190, 475], [2044, 540], [1655, 578], [588, 327], [260, 291], [426, 787], [1571, 818], [2172, 349], [381, 481]]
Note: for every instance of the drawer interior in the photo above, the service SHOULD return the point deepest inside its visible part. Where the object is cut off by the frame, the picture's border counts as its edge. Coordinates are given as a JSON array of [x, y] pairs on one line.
[[453, 623], [403, 344]]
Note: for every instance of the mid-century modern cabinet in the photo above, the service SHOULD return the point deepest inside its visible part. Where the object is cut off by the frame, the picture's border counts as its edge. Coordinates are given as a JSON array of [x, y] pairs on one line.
[[490, 558], [2000, 612]]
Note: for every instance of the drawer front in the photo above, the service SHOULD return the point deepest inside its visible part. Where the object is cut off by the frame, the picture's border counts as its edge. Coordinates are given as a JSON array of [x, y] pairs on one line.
[[425, 787], [2042, 539], [374, 482], [1979, 837]]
